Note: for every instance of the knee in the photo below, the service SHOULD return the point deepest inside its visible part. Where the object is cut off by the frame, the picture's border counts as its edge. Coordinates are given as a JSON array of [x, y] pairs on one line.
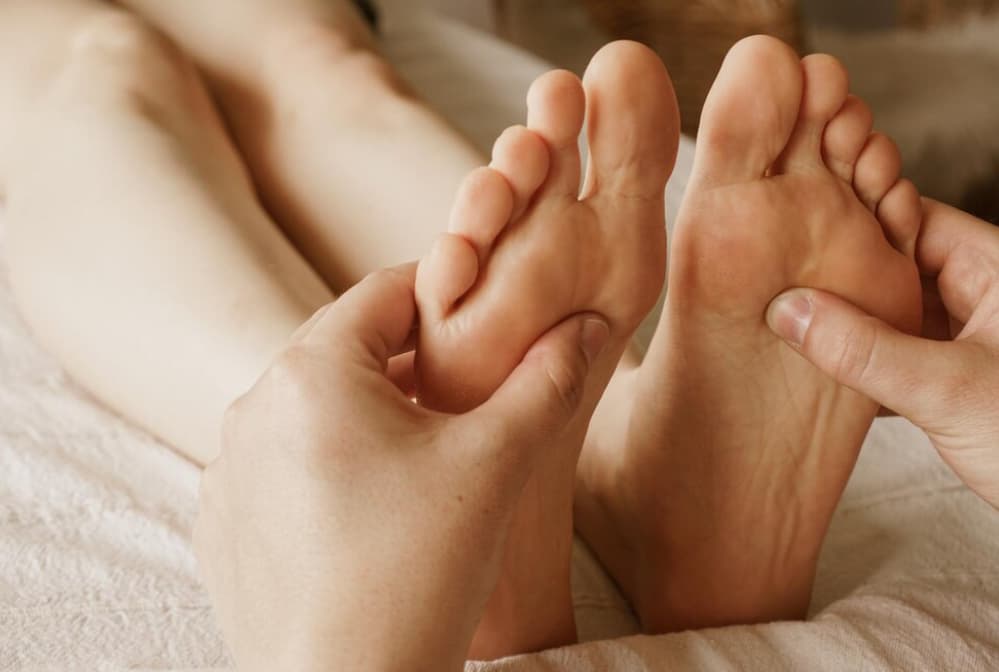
[[311, 51], [113, 54]]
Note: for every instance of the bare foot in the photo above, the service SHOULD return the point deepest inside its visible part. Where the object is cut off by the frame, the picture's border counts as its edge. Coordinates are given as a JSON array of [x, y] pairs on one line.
[[525, 251], [711, 472]]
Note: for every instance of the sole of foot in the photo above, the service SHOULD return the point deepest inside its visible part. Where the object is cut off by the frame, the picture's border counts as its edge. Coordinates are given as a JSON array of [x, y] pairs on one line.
[[526, 248], [710, 474]]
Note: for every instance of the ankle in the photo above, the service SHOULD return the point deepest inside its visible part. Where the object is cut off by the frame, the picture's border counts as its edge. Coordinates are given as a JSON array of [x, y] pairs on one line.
[[345, 55], [719, 601], [700, 582], [521, 619]]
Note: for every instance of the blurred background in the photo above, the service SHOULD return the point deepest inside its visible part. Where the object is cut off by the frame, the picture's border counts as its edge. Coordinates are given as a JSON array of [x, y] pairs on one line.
[[928, 68]]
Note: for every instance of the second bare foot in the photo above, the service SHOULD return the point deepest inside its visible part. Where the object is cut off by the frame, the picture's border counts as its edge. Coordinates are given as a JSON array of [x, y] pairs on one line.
[[711, 472]]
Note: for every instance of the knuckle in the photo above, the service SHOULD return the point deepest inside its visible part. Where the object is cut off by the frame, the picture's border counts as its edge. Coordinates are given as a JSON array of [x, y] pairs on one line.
[[299, 394], [116, 30], [122, 43], [291, 374]]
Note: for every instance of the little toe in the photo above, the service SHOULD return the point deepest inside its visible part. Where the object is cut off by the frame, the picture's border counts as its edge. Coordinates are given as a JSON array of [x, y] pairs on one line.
[[901, 214], [521, 156], [826, 87], [444, 276], [633, 122], [749, 113], [846, 136], [877, 170], [556, 106], [482, 209]]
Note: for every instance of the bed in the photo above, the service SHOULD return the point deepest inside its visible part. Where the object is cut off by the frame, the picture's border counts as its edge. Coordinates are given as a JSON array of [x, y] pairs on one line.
[[97, 573]]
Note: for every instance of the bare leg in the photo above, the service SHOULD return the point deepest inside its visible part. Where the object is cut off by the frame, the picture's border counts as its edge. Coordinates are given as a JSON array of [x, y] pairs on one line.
[[137, 251], [324, 124]]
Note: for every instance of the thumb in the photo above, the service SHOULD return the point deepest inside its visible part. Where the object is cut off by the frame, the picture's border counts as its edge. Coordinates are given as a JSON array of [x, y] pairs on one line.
[[543, 394], [862, 352]]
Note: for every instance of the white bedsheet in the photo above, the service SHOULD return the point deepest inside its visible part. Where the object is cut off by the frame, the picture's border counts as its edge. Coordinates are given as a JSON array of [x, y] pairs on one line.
[[96, 570]]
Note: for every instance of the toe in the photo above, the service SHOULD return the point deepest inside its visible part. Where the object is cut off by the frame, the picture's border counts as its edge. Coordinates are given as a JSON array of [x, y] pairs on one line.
[[482, 208], [846, 136], [878, 169], [521, 156], [901, 213], [633, 122], [556, 106], [444, 276], [749, 113], [825, 90]]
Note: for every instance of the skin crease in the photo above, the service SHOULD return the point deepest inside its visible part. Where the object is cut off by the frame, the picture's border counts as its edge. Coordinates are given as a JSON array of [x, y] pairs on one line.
[[316, 578], [945, 382]]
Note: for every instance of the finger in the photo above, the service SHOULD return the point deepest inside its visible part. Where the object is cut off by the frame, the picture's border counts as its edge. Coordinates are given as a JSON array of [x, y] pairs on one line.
[[961, 252], [543, 394], [936, 320], [898, 371], [374, 319], [944, 230]]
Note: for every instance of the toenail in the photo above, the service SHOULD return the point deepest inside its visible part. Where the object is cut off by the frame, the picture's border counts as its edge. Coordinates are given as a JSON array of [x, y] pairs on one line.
[[594, 336], [790, 315]]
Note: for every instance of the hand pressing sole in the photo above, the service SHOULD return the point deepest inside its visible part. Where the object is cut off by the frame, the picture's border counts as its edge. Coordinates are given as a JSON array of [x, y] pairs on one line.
[[524, 251], [711, 472]]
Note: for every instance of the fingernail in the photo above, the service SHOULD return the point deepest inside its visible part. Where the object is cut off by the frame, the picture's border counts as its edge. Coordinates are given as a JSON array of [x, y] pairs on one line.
[[790, 316], [594, 336]]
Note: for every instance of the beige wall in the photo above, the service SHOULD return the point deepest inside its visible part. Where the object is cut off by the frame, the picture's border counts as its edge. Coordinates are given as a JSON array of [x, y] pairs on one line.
[[560, 31]]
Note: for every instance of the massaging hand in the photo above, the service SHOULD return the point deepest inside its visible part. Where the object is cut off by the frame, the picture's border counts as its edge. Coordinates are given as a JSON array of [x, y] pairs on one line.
[[344, 527], [949, 388]]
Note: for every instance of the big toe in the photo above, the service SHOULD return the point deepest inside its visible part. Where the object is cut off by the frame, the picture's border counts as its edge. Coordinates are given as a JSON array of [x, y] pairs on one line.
[[633, 122], [750, 113]]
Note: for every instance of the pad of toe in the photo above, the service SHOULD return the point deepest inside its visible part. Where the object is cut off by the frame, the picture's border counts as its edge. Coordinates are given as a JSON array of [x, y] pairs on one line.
[[877, 171], [556, 106], [900, 213], [444, 276], [750, 112], [482, 209], [633, 122], [521, 156], [846, 136]]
